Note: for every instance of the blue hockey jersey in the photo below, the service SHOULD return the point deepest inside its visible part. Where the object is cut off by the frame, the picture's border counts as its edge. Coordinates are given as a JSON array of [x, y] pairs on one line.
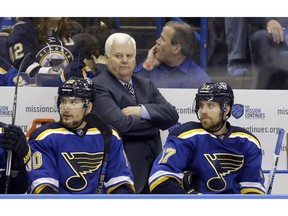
[[54, 53], [71, 161], [229, 164], [8, 74]]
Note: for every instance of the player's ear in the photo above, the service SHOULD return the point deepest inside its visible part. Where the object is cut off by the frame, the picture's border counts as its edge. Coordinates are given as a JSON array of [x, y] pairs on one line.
[[226, 111], [89, 107], [226, 108]]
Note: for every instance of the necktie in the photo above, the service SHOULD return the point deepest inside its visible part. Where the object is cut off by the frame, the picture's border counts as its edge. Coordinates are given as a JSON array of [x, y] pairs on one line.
[[130, 89]]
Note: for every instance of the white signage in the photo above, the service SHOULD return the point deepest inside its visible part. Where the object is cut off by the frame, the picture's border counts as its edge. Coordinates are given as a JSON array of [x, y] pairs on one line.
[[261, 112]]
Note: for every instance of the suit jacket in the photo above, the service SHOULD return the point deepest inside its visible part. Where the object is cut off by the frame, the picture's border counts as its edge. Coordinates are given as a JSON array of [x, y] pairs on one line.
[[141, 137]]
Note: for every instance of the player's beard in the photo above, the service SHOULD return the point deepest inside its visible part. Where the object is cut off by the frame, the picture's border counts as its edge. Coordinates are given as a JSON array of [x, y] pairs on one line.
[[68, 120], [71, 124], [211, 125]]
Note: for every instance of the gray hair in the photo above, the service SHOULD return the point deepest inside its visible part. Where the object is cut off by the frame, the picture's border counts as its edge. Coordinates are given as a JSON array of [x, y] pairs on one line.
[[120, 38]]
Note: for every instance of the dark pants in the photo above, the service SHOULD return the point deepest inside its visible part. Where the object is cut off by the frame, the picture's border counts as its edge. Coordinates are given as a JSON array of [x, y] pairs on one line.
[[269, 60]]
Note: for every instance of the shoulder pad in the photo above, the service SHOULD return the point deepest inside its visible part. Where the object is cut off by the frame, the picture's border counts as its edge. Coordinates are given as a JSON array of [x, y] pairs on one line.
[[49, 125], [185, 127]]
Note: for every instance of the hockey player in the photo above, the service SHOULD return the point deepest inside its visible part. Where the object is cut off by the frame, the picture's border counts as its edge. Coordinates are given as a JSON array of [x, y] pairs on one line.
[[225, 159], [67, 156], [13, 138]]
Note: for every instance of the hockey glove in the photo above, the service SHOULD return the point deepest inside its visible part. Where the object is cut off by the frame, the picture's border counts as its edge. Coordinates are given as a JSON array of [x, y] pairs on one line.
[[191, 182], [14, 139]]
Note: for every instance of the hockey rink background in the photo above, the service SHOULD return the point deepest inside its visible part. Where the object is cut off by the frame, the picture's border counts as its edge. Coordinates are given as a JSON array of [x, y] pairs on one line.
[[262, 112]]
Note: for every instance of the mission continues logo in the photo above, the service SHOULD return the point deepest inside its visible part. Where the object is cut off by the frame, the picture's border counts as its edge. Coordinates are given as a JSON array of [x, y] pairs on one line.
[[248, 112], [5, 112], [237, 111]]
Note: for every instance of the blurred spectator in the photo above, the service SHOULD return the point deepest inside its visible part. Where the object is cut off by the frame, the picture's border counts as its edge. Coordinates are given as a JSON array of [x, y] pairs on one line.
[[101, 32], [87, 21], [3, 45], [8, 74], [169, 63], [269, 52], [279, 80], [236, 41], [87, 48], [76, 27], [90, 59], [47, 38]]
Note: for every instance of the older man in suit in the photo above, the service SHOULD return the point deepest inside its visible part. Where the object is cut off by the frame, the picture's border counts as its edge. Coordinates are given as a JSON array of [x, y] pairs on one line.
[[134, 106]]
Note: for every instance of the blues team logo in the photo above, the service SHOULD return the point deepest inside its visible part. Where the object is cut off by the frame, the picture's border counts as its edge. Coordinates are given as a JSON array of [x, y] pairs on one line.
[[238, 111], [54, 56]]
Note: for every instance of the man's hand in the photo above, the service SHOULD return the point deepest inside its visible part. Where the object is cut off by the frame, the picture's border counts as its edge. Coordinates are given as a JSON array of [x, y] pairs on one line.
[[276, 30], [132, 110], [151, 59]]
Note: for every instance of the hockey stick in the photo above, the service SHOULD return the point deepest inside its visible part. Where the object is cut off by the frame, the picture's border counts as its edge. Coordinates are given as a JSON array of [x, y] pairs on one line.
[[275, 160], [287, 149], [94, 120], [9, 152]]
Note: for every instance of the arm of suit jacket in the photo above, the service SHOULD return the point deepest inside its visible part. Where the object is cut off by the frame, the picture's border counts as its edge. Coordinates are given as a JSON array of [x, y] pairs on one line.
[[111, 98], [163, 114]]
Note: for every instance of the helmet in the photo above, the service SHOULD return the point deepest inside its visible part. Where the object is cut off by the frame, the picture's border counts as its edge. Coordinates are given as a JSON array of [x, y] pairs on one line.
[[78, 87], [219, 92]]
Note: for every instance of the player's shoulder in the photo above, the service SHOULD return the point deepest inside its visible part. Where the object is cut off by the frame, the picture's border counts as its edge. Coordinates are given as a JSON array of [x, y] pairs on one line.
[[188, 127], [46, 129], [112, 130], [26, 23], [241, 132], [22, 28]]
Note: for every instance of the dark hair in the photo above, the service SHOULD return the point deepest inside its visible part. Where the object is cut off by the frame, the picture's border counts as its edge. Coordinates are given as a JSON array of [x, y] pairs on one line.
[[75, 28], [101, 33], [85, 45], [183, 35]]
